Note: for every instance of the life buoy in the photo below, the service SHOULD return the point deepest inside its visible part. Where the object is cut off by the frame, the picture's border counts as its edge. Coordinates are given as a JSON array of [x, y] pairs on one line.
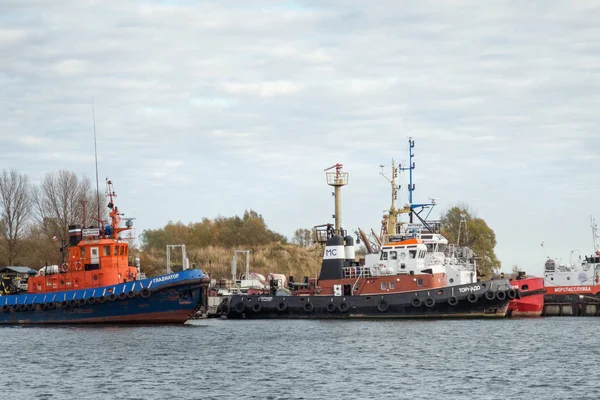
[[77, 265], [429, 302], [308, 307], [501, 295], [331, 307], [490, 295], [382, 306], [64, 268], [512, 293], [472, 298], [101, 299], [416, 302], [257, 307], [145, 293], [131, 294], [112, 297], [240, 307], [343, 307], [453, 300], [281, 307], [122, 296]]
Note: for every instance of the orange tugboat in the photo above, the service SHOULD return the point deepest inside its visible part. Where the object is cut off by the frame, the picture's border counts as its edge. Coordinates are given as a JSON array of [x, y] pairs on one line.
[[531, 303], [97, 284]]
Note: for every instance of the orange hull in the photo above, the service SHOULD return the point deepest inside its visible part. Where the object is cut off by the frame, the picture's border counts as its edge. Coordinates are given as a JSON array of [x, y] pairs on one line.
[[531, 303]]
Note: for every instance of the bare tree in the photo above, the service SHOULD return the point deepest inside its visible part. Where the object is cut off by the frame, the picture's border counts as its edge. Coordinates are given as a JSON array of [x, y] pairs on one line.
[[60, 200], [15, 207]]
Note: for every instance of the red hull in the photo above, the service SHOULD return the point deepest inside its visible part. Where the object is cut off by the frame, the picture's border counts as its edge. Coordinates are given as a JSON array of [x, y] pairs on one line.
[[531, 303]]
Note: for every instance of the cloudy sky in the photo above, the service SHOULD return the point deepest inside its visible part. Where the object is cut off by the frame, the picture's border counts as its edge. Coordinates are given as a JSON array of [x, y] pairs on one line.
[[208, 108]]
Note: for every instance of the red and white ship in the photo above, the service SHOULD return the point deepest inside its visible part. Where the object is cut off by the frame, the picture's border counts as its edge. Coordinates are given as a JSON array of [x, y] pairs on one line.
[[576, 284]]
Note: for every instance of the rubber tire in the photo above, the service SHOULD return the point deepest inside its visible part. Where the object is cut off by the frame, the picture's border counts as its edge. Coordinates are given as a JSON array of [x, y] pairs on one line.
[[145, 293], [282, 307], [257, 307], [472, 298], [240, 307], [453, 300], [43, 306], [416, 302], [81, 302], [343, 307], [5, 308], [122, 296], [50, 306], [30, 307], [512, 293], [101, 299], [308, 307], [131, 294], [112, 297], [490, 295], [429, 302], [331, 307], [501, 295], [90, 300], [382, 306], [64, 304]]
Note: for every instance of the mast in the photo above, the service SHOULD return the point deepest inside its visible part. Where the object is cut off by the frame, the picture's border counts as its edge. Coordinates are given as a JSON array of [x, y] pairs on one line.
[[594, 233], [337, 179], [391, 220], [96, 157], [410, 168]]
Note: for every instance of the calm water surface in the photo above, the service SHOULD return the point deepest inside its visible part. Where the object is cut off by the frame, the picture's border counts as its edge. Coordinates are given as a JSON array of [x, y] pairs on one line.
[[554, 358]]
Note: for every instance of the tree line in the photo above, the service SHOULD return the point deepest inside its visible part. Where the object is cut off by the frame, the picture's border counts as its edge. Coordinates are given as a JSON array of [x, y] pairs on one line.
[[36, 216]]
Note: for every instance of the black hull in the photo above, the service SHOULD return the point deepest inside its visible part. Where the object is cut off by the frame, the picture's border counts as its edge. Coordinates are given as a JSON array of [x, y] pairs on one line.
[[479, 300]]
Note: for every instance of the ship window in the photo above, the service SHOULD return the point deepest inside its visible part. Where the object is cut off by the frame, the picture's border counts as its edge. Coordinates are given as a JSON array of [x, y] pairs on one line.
[[116, 250], [419, 282], [83, 252], [525, 287], [392, 285], [393, 255], [383, 285], [384, 255], [413, 253], [122, 250], [106, 250], [402, 266]]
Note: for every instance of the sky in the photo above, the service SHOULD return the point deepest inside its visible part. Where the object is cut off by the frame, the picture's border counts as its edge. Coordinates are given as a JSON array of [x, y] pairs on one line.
[[210, 108]]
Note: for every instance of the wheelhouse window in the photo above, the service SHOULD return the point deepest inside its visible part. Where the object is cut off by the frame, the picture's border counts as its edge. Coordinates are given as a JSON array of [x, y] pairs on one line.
[[383, 285], [392, 285], [419, 282], [384, 255], [393, 255], [413, 253], [116, 253], [83, 252], [122, 250], [106, 250]]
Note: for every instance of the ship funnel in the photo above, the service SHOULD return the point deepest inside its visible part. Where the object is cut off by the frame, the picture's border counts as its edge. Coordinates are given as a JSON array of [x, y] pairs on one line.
[[74, 235], [333, 259], [349, 248]]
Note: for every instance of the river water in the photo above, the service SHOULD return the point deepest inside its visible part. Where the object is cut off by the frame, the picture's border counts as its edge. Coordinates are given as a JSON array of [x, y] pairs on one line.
[[552, 358]]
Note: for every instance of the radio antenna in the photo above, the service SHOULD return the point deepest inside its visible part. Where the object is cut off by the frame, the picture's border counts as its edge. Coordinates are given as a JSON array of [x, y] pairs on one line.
[[96, 157]]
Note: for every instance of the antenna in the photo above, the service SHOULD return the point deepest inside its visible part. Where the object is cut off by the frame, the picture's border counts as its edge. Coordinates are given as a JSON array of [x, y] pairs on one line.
[[96, 157], [594, 233]]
